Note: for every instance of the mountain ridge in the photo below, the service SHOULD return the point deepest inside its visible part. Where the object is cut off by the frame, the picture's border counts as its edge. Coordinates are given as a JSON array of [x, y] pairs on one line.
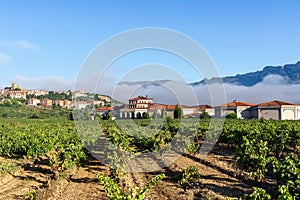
[[290, 71]]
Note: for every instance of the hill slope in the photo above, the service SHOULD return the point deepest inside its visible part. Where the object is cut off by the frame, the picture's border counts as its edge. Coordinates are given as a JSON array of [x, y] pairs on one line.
[[290, 71]]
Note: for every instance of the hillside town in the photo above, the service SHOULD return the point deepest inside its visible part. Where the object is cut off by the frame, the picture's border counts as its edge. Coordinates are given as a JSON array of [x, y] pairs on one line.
[[49, 99], [142, 107]]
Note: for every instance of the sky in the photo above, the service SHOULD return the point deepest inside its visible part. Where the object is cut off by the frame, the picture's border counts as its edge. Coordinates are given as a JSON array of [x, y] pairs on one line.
[[43, 44]]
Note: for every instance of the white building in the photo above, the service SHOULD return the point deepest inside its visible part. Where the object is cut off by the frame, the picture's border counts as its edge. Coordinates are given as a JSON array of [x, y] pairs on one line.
[[242, 109], [137, 107], [33, 102], [277, 110]]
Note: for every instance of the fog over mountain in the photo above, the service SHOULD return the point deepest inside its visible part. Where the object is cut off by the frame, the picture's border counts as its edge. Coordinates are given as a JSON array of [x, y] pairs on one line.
[[290, 72], [280, 83]]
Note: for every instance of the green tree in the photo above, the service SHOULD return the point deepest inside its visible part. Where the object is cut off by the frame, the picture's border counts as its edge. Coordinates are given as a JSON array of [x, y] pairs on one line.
[[231, 116], [146, 115], [178, 114], [163, 114], [205, 115], [70, 116], [155, 114], [110, 115]]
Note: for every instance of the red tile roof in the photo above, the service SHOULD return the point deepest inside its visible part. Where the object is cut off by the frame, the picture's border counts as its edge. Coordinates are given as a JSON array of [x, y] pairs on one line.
[[237, 103], [105, 108], [170, 107], [202, 107], [274, 103], [140, 98]]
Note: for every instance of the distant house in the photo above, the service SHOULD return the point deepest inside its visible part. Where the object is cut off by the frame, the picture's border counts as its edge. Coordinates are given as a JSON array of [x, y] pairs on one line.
[[46, 102], [276, 110], [242, 109], [207, 108], [17, 94], [169, 110], [97, 103], [67, 104], [80, 93], [59, 103], [103, 110], [33, 102], [80, 105], [105, 98], [37, 92]]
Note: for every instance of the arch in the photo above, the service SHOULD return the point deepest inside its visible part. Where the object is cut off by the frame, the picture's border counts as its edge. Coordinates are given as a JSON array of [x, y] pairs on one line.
[[132, 115], [139, 115]]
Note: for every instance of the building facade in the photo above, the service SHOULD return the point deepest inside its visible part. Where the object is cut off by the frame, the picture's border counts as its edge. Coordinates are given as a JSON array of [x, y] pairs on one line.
[[243, 110]]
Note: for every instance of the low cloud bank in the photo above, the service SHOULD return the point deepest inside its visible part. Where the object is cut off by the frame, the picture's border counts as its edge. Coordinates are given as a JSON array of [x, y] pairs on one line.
[[273, 87]]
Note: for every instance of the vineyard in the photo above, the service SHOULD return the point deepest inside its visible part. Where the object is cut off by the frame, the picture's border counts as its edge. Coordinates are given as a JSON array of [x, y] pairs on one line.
[[253, 159]]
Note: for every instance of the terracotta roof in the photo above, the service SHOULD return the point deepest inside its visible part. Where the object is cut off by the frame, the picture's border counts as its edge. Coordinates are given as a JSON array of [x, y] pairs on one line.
[[202, 107], [170, 107], [274, 103], [156, 106], [185, 106], [141, 97], [237, 103], [105, 108]]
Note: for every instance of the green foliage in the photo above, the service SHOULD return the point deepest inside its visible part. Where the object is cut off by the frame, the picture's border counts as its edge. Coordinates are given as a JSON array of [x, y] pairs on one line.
[[285, 194], [34, 116], [189, 176], [193, 148], [287, 174], [258, 194], [70, 116], [146, 115], [107, 116], [30, 195], [205, 115], [4, 115], [155, 114], [23, 111], [252, 155], [178, 113], [7, 167], [163, 114], [115, 192], [56, 139], [231, 116]]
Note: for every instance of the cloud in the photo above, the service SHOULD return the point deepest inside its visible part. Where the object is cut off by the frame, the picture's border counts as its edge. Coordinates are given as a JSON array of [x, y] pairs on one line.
[[273, 87], [47, 82], [274, 79], [19, 44], [23, 44], [5, 58]]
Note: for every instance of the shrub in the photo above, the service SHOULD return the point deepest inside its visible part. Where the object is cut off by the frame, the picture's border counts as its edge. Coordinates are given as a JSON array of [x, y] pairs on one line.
[[231, 116]]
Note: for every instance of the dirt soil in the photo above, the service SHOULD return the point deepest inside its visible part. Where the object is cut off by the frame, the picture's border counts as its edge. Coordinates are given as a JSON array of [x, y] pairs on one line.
[[220, 178]]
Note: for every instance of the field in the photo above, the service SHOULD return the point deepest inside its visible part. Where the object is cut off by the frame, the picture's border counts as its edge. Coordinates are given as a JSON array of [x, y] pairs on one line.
[[47, 159]]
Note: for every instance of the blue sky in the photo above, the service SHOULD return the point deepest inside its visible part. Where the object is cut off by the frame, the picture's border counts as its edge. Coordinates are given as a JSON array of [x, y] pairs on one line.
[[42, 39]]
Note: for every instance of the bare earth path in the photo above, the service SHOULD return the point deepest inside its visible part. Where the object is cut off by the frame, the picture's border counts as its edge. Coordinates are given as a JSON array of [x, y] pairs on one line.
[[219, 179]]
